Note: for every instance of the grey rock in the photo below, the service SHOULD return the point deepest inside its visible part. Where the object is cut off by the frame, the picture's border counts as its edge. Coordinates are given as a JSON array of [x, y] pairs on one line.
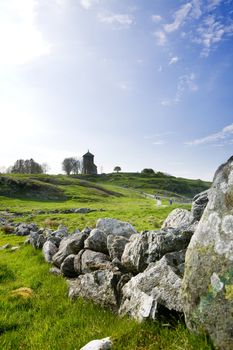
[[87, 261], [115, 227], [178, 219], [150, 246], [199, 203], [67, 267], [116, 246], [99, 286], [69, 245], [37, 240], [25, 229], [208, 279], [97, 241], [55, 271], [49, 250], [158, 285], [98, 344]]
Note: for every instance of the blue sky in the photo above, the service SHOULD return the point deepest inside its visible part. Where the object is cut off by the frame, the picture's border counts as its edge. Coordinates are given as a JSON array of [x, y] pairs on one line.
[[140, 83]]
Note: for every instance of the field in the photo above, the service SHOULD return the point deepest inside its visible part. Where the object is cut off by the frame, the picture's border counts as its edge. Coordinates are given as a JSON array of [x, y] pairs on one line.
[[43, 317]]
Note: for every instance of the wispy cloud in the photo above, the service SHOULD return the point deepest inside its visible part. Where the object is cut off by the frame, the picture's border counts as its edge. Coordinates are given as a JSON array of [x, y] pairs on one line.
[[160, 37], [225, 136], [156, 18], [210, 32], [124, 86], [179, 18], [117, 20], [20, 37], [173, 60], [185, 82]]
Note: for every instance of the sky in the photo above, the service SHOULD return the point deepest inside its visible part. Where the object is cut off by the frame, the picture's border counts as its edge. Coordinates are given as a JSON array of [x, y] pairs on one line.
[[139, 83]]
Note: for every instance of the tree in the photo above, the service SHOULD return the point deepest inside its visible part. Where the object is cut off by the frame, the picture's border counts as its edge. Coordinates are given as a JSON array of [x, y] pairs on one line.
[[148, 171], [28, 166], [71, 165], [117, 169]]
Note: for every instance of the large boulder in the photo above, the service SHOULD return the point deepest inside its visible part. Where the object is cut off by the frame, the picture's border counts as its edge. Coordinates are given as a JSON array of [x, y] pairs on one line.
[[150, 246], [99, 286], [97, 241], [87, 261], [159, 285], [67, 267], [208, 279], [115, 227], [178, 218], [49, 250], [70, 245], [116, 246], [199, 203]]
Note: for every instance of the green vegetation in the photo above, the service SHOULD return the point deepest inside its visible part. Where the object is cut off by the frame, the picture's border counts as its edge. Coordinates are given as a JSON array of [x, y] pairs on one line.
[[47, 319]]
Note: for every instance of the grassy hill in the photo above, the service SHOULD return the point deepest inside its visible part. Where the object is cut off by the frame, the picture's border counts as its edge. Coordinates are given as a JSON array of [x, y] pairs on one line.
[[47, 319]]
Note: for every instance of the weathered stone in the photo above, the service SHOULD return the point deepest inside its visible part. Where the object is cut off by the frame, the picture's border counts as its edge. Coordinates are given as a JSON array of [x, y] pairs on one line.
[[55, 271], [208, 279], [150, 246], [88, 261], [25, 229], [116, 246], [61, 232], [67, 267], [178, 218], [99, 286], [98, 344], [49, 250], [37, 240], [115, 227], [69, 245], [199, 203], [97, 241], [159, 285]]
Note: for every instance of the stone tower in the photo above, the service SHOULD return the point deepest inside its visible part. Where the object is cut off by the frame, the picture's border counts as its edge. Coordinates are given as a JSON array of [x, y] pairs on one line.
[[88, 166]]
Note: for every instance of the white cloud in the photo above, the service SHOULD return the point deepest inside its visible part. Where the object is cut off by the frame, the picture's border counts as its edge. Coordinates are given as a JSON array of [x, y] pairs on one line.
[[118, 20], [210, 32], [161, 38], [21, 40], [86, 4], [159, 142], [173, 60], [179, 18], [156, 18], [225, 136], [185, 82], [212, 4]]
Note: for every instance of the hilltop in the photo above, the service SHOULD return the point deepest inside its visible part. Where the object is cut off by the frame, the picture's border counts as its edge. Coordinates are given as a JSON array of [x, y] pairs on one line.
[[61, 187]]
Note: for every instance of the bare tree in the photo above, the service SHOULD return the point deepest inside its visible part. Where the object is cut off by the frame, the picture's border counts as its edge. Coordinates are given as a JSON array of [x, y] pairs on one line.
[[71, 165]]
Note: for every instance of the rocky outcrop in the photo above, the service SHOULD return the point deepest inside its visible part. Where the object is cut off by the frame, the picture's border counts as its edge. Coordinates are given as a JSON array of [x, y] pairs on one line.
[[150, 246], [87, 261], [49, 250], [208, 280], [97, 241], [199, 203], [115, 227], [99, 286], [159, 285], [71, 244], [178, 218]]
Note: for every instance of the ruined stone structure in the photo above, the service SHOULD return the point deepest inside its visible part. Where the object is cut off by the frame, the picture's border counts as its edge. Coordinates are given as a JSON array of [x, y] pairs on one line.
[[88, 166]]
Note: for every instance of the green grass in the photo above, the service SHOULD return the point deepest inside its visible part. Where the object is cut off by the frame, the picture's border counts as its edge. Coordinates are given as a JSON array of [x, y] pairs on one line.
[[48, 320]]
